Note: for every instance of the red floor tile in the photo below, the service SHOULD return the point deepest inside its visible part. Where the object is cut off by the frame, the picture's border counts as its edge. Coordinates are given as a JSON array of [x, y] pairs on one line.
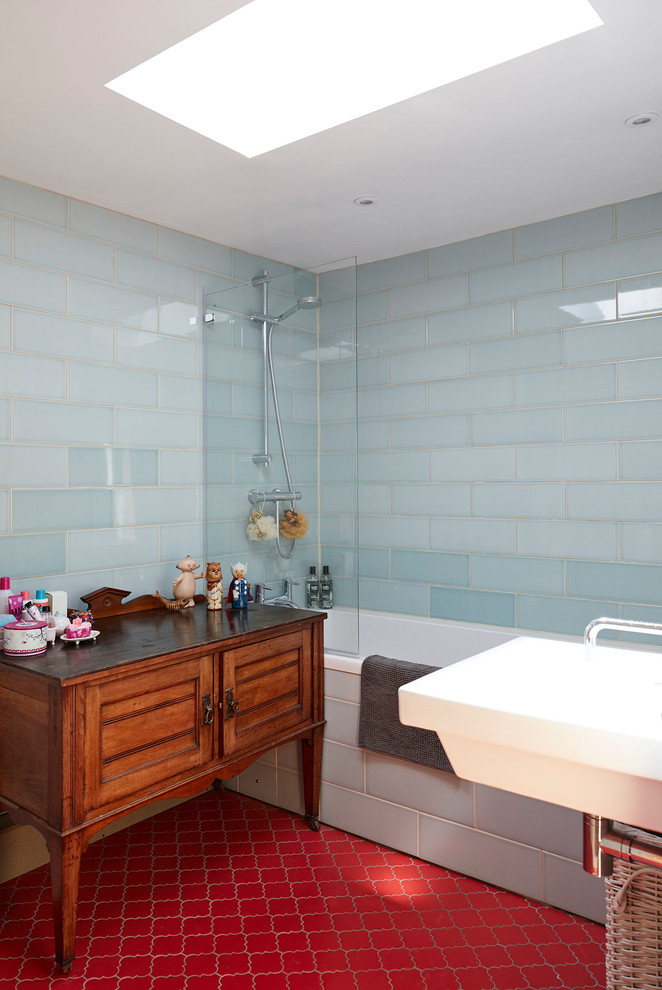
[[225, 893]]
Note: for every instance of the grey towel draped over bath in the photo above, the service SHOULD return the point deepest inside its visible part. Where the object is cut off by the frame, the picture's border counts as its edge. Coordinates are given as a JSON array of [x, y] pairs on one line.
[[380, 728]]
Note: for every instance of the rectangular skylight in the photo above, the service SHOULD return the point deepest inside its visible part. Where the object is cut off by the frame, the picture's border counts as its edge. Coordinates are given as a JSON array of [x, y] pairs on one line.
[[275, 71]]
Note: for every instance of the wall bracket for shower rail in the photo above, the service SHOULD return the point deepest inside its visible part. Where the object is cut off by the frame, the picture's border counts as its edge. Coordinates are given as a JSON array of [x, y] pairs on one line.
[[257, 497]]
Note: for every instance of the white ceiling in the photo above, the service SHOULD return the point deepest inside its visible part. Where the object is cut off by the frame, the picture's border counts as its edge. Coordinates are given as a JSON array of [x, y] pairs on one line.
[[535, 138]]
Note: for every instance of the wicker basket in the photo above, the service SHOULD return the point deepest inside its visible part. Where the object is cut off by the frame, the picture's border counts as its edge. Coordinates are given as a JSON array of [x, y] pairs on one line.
[[634, 923]]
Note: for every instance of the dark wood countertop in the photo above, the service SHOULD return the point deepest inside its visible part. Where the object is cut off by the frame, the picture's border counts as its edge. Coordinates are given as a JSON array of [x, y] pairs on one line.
[[142, 635]]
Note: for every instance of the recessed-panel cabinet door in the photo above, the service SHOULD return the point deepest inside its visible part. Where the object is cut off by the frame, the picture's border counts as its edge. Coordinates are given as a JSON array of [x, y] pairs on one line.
[[266, 691], [144, 729]]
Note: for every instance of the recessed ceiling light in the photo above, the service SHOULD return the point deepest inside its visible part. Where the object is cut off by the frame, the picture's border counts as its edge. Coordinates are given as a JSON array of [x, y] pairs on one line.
[[641, 119], [365, 201], [275, 71]]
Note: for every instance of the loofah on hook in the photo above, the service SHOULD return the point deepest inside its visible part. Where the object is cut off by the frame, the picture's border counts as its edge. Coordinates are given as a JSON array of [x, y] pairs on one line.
[[294, 524], [261, 527]]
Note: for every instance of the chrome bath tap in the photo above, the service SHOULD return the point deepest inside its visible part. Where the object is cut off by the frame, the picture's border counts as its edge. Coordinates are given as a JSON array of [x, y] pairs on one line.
[[286, 599]]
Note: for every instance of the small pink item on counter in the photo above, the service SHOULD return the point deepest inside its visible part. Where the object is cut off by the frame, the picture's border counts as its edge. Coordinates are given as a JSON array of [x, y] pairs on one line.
[[25, 639], [78, 629], [15, 605]]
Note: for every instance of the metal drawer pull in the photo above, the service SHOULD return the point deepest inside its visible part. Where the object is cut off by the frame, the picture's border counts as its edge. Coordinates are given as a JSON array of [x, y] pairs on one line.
[[207, 710], [231, 706]]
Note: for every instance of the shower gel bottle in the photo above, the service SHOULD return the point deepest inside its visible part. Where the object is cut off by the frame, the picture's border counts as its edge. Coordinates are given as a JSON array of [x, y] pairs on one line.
[[312, 589], [326, 588]]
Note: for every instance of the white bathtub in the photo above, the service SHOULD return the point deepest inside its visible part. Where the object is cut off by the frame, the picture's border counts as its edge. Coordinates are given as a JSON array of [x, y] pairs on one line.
[[404, 637], [530, 847]]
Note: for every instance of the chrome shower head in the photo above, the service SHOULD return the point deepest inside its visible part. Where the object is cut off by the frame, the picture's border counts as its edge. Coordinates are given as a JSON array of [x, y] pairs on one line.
[[305, 302]]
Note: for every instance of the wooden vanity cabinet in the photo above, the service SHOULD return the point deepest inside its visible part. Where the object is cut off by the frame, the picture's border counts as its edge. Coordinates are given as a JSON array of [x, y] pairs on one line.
[[161, 705]]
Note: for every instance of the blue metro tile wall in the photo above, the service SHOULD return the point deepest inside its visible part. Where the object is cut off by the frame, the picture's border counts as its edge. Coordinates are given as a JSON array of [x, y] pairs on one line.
[[505, 467], [513, 423], [102, 466]]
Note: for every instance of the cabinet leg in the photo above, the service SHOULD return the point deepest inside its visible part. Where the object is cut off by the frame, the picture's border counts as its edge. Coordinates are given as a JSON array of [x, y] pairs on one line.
[[311, 752], [65, 852]]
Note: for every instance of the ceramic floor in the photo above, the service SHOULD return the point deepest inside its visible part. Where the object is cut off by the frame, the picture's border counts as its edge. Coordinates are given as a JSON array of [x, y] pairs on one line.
[[225, 893]]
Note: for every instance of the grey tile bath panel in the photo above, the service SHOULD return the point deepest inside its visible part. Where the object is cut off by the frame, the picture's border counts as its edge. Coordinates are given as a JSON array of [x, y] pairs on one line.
[[342, 722], [371, 818], [432, 791], [566, 885], [289, 792], [342, 686], [259, 781], [536, 823], [343, 765], [477, 854], [289, 756]]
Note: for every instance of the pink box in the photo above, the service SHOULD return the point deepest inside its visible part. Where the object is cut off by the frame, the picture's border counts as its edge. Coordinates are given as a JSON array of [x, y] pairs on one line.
[[78, 631]]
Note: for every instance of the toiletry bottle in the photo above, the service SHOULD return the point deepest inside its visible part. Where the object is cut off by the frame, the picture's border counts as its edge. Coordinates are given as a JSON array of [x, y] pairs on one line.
[[5, 592], [312, 589], [326, 588], [42, 602]]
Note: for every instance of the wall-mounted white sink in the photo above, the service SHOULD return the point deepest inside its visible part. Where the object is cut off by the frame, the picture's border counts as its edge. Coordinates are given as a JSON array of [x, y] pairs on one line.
[[578, 726]]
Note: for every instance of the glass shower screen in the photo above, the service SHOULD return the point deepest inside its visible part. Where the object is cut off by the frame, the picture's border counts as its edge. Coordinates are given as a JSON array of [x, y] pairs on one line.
[[295, 328]]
